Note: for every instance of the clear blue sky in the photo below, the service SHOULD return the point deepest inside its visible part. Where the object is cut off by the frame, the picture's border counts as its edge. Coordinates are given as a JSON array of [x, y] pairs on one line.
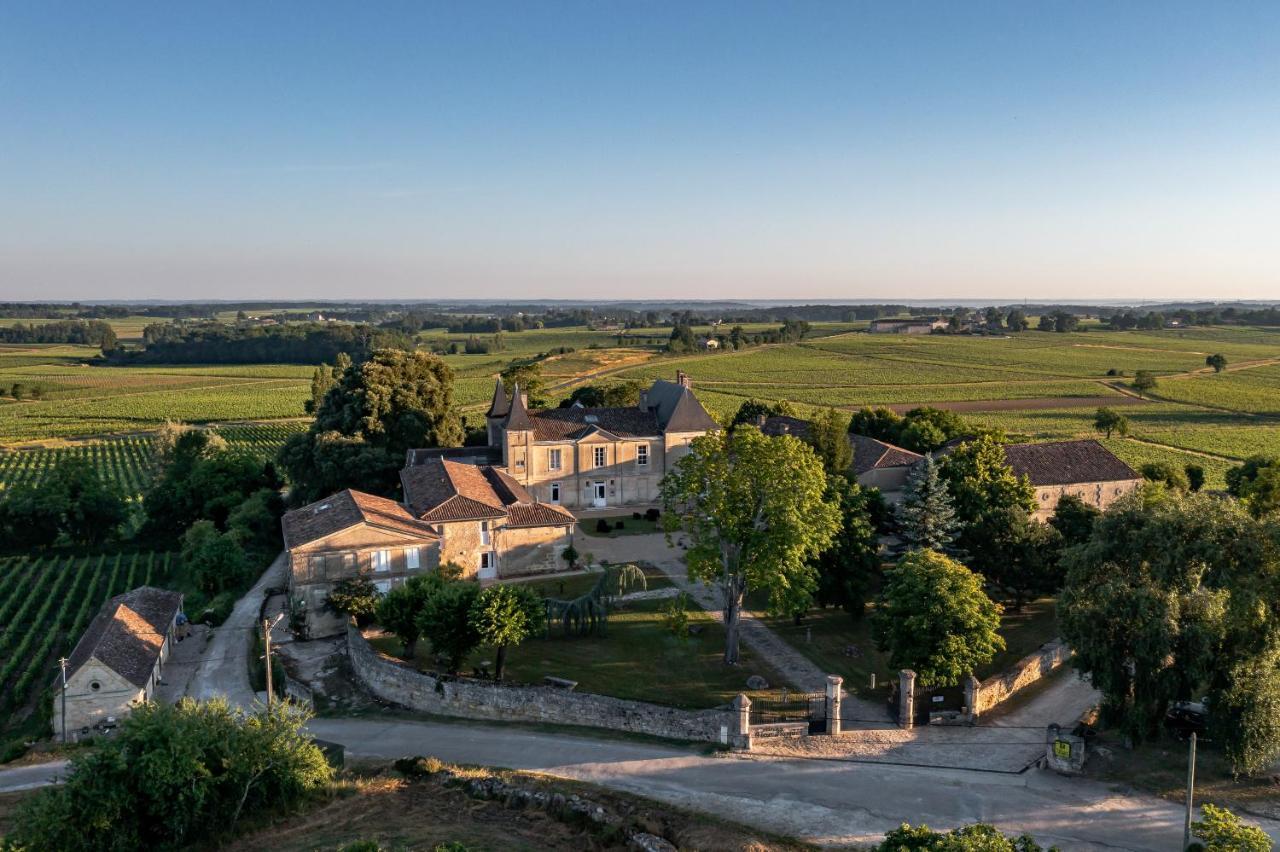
[[695, 149]]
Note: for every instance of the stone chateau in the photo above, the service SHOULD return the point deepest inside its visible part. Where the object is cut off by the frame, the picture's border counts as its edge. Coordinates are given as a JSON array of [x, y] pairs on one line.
[[497, 511]]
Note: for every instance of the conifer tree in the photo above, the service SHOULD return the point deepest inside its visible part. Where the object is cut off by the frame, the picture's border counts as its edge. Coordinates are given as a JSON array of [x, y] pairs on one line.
[[926, 515]]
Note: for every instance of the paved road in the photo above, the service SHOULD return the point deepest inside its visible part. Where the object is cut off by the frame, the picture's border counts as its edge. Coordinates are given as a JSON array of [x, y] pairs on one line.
[[30, 777], [223, 669], [828, 802]]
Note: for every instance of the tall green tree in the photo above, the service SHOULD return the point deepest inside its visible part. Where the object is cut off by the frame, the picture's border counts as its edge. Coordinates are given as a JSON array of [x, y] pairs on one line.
[[926, 515], [1172, 594], [755, 512], [1017, 320], [847, 567], [504, 616], [215, 560], [71, 504], [933, 617], [527, 373], [829, 436], [1073, 519], [753, 409], [445, 621], [399, 608], [1108, 420], [377, 410]]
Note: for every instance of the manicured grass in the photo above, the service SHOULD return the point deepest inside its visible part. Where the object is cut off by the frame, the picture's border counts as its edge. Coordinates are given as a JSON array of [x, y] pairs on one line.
[[638, 659], [838, 644], [574, 585]]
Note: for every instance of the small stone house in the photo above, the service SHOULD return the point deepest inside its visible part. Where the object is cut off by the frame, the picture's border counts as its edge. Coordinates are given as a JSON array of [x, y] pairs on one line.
[[582, 457], [1083, 468], [116, 665], [879, 464], [912, 325]]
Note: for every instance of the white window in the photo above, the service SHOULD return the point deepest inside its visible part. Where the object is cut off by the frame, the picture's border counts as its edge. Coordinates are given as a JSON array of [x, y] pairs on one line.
[[600, 456], [382, 560], [553, 459], [642, 455], [555, 492], [486, 560], [485, 536], [383, 586], [411, 559]]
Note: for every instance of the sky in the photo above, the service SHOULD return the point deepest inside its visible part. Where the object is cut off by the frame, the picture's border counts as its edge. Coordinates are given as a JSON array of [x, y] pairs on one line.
[[537, 149]]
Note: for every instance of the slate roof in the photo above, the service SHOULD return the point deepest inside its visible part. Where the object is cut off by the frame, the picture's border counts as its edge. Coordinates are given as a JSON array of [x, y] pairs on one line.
[[677, 409], [347, 509], [567, 424], [872, 454], [128, 633], [472, 455], [777, 425], [501, 403], [518, 416], [441, 491], [1067, 463]]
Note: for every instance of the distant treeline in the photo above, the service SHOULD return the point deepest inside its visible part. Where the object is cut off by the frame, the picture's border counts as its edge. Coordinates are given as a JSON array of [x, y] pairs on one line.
[[415, 321], [1203, 316], [85, 332], [73, 310], [299, 343]]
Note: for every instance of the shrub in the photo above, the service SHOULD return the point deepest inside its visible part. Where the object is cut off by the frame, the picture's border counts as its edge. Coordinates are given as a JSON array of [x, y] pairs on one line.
[[174, 777], [635, 516], [1144, 380], [652, 515], [570, 556], [619, 525], [602, 526]]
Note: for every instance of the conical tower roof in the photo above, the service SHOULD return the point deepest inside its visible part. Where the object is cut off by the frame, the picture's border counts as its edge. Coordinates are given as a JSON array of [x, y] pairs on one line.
[[501, 405], [518, 418]]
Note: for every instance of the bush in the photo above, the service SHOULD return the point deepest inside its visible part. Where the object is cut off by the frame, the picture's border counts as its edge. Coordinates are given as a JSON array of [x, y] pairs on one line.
[[619, 525], [602, 526], [174, 777], [652, 515], [635, 516], [1144, 380], [216, 611]]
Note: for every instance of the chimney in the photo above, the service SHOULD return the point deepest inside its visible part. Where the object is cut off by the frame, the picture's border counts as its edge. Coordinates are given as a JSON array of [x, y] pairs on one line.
[[683, 380]]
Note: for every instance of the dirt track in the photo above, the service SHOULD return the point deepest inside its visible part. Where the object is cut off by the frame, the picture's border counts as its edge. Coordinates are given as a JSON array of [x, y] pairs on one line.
[[1034, 404]]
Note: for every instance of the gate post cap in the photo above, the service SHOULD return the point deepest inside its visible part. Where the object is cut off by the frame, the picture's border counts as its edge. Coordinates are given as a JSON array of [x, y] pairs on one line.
[[836, 679], [742, 702]]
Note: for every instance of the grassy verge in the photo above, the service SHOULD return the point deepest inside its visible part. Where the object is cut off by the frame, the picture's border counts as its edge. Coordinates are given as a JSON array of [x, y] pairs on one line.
[[637, 659], [630, 526]]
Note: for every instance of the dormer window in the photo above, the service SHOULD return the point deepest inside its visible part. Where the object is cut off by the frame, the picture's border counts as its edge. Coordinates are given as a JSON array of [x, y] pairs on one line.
[[591, 418]]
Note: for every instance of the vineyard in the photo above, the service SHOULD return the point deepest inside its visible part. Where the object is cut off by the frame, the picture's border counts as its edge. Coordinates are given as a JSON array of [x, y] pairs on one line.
[[128, 462], [45, 605]]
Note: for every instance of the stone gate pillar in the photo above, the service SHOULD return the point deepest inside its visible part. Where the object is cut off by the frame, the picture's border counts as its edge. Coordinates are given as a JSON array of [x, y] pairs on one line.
[[906, 699], [972, 694], [742, 722], [834, 685]]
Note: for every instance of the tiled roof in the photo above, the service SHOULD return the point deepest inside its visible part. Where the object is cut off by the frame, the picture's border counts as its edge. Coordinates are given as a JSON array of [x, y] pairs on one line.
[[872, 454], [441, 491], [128, 633], [677, 409], [1067, 463], [566, 424], [347, 509]]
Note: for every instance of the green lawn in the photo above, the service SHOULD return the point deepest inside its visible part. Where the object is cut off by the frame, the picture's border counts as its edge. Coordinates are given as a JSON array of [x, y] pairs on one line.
[[839, 645], [637, 659], [630, 526]]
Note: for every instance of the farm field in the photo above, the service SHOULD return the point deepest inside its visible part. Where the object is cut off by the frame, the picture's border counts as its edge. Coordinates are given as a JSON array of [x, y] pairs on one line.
[[45, 605]]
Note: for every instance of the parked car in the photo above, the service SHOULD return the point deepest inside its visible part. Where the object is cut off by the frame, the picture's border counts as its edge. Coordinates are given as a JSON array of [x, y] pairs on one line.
[[1186, 717]]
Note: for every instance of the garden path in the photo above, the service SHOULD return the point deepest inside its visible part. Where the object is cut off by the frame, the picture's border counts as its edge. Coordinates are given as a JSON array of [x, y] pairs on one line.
[[786, 660]]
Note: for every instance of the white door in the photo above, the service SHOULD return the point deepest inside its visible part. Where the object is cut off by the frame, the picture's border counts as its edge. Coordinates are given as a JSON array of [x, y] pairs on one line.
[[488, 565], [599, 494]]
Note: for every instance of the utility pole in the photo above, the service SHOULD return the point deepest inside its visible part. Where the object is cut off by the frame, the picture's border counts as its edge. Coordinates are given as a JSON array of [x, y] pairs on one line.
[[267, 624], [62, 661], [1191, 786]]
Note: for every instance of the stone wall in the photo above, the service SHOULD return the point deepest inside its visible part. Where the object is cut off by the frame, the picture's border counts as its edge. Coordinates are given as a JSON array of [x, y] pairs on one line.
[[1030, 669], [1097, 494], [391, 681]]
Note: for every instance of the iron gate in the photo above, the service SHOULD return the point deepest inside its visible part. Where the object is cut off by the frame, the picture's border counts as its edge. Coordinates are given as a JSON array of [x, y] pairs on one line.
[[787, 706]]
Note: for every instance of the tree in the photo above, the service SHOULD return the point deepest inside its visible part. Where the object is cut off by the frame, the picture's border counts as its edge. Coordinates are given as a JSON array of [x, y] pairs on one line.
[[1143, 381], [1073, 519], [1195, 476], [883, 424], [322, 381], [846, 567], [1223, 831], [445, 621], [1018, 555], [926, 514], [377, 410], [1109, 420], [1240, 478], [932, 617], [752, 410], [1167, 474], [398, 610], [1217, 361], [613, 395], [1017, 320], [214, 559], [255, 524], [1168, 595], [503, 616], [978, 837], [755, 512], [177, 777], [1257, 484], [528, 375], [992, 317], [829, 436], [355, 596], [72, 503]]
